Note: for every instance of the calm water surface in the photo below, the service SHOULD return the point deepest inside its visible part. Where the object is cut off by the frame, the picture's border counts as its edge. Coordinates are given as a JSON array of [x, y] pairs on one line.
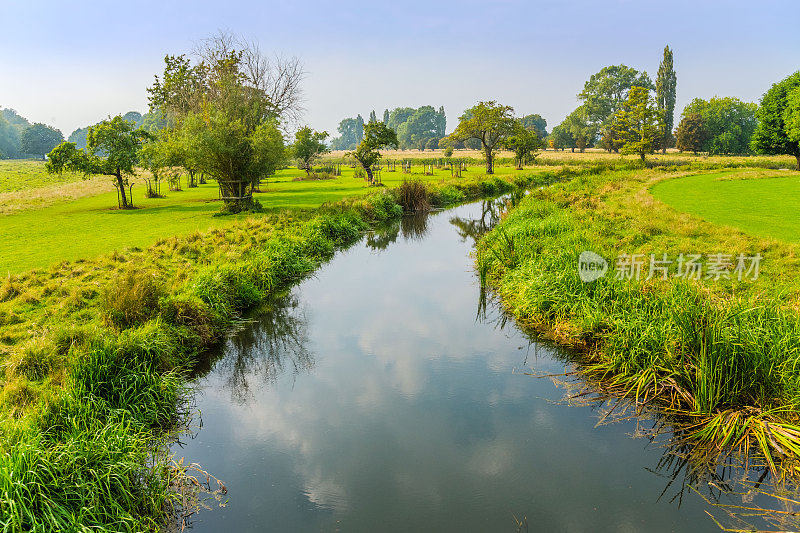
[[371, 398]]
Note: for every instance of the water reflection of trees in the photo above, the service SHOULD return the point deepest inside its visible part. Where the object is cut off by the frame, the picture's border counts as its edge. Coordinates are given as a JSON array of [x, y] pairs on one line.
[[411, 227], [491, 212], [276, 341], [741, 493]]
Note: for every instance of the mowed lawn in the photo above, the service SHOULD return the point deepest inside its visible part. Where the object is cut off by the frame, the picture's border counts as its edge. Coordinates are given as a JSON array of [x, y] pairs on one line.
[[91, 226], [762, 204]]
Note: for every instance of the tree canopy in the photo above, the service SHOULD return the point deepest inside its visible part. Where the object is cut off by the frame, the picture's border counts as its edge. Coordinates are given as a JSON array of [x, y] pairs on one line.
[[308, 146], [666, 85], [112, 149], [604, 92], [691, 135], [728, 122], [377, 136], [488, 122], [229, 106], [39, 139], [778, 130], [638, 123]]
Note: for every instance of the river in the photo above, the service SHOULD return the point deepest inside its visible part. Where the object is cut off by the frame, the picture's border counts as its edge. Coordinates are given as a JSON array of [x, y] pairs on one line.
[[378, 395]]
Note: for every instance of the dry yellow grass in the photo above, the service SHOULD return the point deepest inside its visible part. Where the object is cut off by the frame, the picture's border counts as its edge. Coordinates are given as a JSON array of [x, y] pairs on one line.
[[13, 202]]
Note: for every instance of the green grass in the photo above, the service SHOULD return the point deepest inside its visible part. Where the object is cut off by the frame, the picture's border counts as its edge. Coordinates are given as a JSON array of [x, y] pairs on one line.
[[762, 204], [93, 353], [722, 357], [24, 174], [87, 227]]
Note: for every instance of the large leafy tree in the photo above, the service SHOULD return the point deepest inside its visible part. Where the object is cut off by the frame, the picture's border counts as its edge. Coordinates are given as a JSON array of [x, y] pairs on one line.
[[691, 135], [308, 146], [39, 139], [351, 131], [729, 122], [112, 149], [580, 128], [536, 123], [666, 85], [605, 92], [778, 130], [524, 142], [560, 138], [228, 107], [488, 122], [377, 136], [639, 123]]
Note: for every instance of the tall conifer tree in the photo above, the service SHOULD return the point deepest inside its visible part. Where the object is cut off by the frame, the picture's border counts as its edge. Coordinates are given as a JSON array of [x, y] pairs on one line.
[[666, 82]]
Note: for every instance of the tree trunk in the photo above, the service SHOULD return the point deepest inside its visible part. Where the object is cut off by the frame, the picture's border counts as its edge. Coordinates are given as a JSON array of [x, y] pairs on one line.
[[369, 173], [641, 154], [797, 156], [489, 162], [121, 186]]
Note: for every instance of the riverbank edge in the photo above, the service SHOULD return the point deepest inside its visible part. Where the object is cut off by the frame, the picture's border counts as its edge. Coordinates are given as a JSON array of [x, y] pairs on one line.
[[89, 452], [701, 339]]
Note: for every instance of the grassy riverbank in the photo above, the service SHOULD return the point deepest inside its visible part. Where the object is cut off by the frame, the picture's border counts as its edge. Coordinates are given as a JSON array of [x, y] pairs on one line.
[[722, 355], [94, 354]]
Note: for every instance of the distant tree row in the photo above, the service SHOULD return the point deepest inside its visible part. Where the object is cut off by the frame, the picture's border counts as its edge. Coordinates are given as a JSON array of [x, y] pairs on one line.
[[419, 128], [19, 138]]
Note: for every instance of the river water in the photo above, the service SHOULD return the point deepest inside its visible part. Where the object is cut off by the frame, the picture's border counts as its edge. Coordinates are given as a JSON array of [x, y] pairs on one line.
[[379, 396]]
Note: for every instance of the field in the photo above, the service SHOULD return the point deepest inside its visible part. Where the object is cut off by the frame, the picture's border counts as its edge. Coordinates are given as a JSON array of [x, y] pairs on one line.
[[39, 233], [765, 204], [95, 341]]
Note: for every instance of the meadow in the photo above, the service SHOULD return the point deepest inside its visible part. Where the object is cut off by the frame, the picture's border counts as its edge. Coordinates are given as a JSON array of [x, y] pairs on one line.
[[765, 203], [96, 340], [37, 234]]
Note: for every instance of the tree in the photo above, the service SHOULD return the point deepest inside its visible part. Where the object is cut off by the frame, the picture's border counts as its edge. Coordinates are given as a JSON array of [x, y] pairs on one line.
[[561, 138], [421, 126], [488, 122], [39, 139], [351, 132], [638, 123], [604, 93], [386, 116], [308, 146], [582, 132], [523, 143], [372, 116], [691, 134], [228, 109], [536, 123], [666, 84], [377, 136], [779, 118], [133, 116], [729, 122], [112, 149]]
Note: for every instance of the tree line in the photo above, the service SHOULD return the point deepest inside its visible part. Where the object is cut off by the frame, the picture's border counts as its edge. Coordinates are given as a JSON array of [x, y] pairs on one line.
[[416, 128]]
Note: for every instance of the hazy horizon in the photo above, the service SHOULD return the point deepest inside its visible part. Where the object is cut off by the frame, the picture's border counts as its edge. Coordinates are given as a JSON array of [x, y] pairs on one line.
[[72, 66]]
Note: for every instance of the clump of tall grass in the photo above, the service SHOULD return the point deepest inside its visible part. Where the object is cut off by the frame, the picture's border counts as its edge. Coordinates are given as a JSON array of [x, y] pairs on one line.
[[132, 298], [412, 195]]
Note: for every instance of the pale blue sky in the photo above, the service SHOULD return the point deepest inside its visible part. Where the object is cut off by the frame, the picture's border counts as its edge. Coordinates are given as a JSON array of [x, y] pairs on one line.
[[72, 63]]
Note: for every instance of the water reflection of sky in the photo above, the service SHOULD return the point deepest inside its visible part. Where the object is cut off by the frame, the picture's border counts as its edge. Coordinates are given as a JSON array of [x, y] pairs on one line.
[[408, 415]]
